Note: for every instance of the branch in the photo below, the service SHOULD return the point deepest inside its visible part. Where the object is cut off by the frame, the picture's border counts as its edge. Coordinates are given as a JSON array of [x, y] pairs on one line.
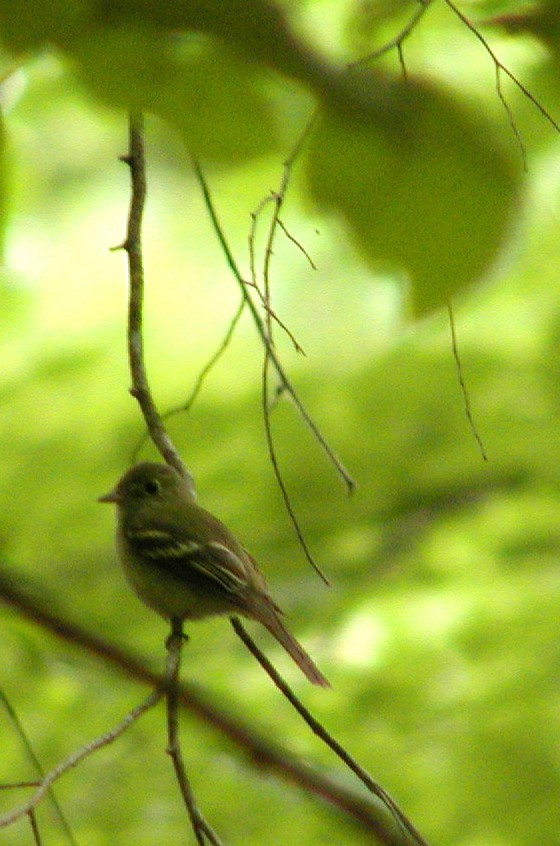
[[278, 197], [501, 68], [259, 749]]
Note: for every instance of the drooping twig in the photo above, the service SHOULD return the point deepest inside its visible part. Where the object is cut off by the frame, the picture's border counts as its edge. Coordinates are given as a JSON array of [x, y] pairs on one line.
[[133, 247], [463, 384], [383, 834], [296, 243], [202, 830], [258, 748], [265, 303], [277, 472]]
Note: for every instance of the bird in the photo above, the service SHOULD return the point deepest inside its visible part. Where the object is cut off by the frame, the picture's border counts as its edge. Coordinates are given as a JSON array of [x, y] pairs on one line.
[[185, 564]]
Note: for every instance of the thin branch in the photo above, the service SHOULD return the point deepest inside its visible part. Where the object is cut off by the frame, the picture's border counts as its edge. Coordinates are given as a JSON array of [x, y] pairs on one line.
[[209, 366], [260, 749], [202, 830], [383, 834], [463, 384], [254, 283], [77, 756], [280, 196], [14, 785], [133, 247]]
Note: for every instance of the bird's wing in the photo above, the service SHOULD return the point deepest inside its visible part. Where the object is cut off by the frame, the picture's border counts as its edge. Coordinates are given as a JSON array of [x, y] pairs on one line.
[[190, 560]]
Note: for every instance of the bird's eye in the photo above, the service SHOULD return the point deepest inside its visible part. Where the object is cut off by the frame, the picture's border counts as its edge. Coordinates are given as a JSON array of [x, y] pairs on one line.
[[152, 486]]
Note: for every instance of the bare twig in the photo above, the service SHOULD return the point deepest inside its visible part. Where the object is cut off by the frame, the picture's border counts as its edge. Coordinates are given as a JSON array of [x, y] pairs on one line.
[[269, 311], [133, 247], [278, 198], [383, 834], [463, 384], [265, 333], [265, 753]]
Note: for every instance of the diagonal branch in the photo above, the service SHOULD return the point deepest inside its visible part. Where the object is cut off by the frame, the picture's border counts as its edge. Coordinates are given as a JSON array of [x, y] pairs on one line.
[[383, 834]]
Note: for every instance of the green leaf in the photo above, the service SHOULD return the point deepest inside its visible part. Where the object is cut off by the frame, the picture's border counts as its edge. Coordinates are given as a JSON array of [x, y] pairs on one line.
[[28, 26], [216, 100], [423, 186]]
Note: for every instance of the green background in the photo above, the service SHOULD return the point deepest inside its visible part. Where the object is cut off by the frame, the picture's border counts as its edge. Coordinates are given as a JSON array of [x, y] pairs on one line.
[[439, 632]]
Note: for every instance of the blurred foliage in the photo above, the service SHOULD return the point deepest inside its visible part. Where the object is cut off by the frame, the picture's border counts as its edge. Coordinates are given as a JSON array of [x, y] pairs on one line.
[[440, 631], [424, 188]]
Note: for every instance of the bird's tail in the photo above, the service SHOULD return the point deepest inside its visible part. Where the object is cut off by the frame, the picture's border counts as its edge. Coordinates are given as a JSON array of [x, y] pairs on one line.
[[277, 629]]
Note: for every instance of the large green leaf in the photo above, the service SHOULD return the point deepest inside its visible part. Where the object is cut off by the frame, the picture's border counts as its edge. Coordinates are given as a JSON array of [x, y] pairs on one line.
[[217, 100], [425, 189]]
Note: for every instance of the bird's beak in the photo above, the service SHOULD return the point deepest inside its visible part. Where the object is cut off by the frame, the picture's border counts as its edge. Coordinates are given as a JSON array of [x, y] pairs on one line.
[[112, 496]]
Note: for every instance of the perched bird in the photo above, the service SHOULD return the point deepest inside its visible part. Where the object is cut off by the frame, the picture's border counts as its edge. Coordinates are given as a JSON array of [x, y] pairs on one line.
[[184, 563]]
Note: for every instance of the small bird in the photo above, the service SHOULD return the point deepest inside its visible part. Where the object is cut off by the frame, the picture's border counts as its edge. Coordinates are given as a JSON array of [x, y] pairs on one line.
[[184, 563]]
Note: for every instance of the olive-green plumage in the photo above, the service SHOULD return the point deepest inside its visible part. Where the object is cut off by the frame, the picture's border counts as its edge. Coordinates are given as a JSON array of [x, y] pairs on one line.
[[184, 563]]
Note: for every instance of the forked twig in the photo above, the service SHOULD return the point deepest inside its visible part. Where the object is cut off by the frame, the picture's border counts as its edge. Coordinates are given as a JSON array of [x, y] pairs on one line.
[[277, 198]]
